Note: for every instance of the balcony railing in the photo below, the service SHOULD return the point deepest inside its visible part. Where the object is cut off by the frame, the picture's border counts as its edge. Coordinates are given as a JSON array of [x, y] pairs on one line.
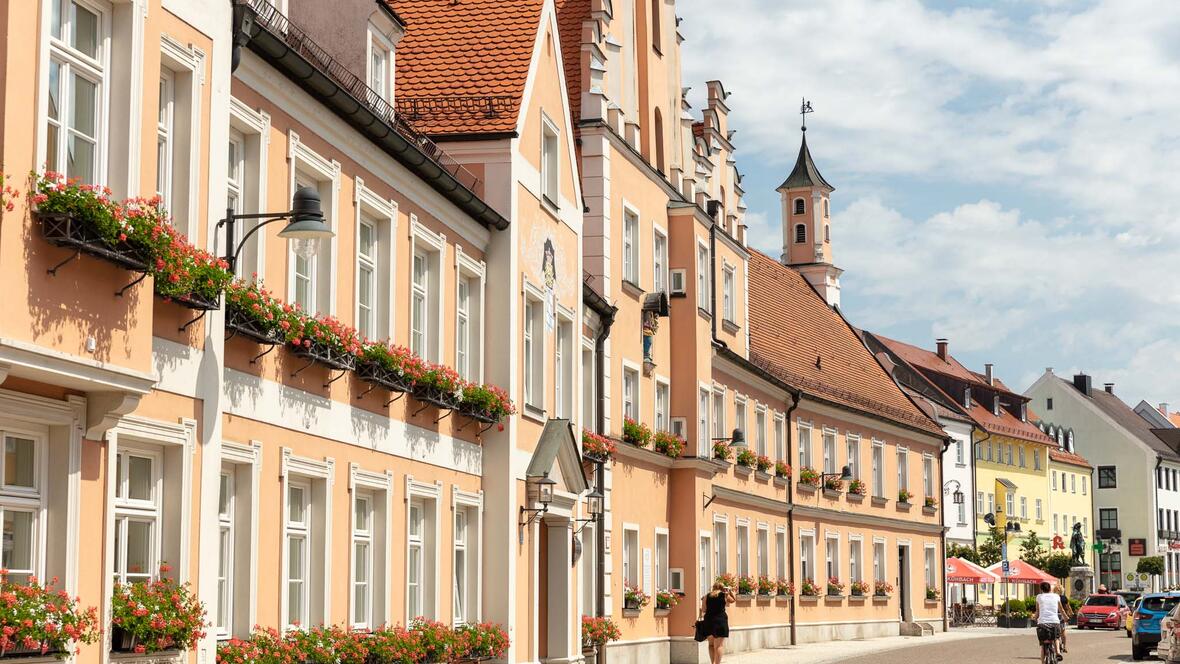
[[269, 18]]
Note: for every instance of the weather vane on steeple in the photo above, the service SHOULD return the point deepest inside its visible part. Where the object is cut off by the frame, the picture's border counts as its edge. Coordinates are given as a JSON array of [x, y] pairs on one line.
[[804, 109]]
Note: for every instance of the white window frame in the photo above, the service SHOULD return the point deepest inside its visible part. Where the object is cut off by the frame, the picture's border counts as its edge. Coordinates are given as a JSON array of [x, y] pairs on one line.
[[741, 532], [880, 560], [804, 444], [807, 556], [563, 367], [855, 558], [316, 477], [704, 276], [242, 463], [378, 488], [661, 552], [762, 549], [741, 416], [631, 249], [129, 510], [165, 135], [252, 129], [705, 562], [29, 500], [828, 441], [223, 622], [471, 506], [632, 558], [903, 470], [780, 552], [719, 412], [550, 186], [659, 260], [704, 434], [589, 405], [729, 305], [473, 273], [780, 438], [297, 530], [379, 44], [928, 475], [533, 351], [662, 403], [760, 429], [878, 461], [852, 450], [832, 556], [362, 535], [631, 391], [380, 214], [426, 497], [306, 166], [431, 247], [930, 563], [720, 545]]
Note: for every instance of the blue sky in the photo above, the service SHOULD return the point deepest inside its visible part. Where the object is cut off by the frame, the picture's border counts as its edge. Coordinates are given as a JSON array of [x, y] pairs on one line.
[[1007, 173]]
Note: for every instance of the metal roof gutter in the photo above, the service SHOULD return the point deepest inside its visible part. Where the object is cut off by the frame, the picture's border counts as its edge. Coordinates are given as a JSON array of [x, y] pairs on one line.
[[286, 48]]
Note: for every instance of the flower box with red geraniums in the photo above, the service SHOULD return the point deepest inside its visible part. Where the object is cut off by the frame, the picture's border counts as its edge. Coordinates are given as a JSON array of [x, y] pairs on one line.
[[388, 645], [635, 433], [329, 644], [833, 484], [903, 496], [439, 386], [36, 620], [857, 488], [485, 403], [596, 447], [666, 599], [722, 451], [782, 470], [747, 585], [436, 640], [809, 477], [808, 588], [882, 589], [151, 616], [392, 367], [727, 581], [264, 646], [325, 340], [597, 632], [634, 599], [767, 586], [475, 643], [835, 588], [930, 503], [250, 310], [191, 277], [764, 463], [668, 444], [784, 588], [932, 594], [859, 588], [746, 458], [83, 217]]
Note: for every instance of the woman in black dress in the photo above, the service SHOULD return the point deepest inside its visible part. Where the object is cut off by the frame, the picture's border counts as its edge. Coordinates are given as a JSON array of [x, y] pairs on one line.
[[715, 619]]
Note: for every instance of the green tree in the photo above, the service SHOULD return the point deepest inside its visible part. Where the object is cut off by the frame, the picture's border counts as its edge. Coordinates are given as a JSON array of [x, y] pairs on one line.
[[1058, 564], [1153, 565], [961, 551], [1031, 550], [991, 550]]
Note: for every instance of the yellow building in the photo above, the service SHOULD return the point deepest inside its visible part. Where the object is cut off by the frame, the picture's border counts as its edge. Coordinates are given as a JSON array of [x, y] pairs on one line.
[[1071, 499]]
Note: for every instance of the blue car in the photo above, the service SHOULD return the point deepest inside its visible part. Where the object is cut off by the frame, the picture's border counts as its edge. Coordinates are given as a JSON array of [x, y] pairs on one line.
[[1145, 628]]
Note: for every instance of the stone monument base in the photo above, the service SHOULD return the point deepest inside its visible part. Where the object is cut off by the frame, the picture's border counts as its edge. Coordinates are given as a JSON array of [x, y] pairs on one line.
[[1081, 582]]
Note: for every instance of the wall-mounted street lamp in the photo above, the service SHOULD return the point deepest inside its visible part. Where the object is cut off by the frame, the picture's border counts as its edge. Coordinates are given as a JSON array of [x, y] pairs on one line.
[[736, 438], [593, 507], [844, 475], [543, 485], [958, 495], [305, 226]]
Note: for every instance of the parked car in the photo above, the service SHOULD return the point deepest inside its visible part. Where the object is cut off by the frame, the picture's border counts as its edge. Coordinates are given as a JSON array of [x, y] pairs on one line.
[[1109, 611], [1145, 630], [1129, 595], [1168, 648], [1131, 616]]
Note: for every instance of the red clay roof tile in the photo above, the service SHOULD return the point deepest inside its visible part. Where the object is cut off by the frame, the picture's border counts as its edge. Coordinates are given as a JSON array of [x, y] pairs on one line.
[[571, 14], [1061, 456], [791, 326]]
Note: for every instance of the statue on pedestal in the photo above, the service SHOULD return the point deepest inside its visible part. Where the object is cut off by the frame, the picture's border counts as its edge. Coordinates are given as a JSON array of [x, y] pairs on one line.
[[1077, 545]]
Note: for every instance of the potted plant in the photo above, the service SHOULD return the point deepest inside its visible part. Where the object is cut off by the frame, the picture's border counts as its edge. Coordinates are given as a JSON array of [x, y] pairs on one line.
[[727, 581], [929, 504], [388, 645], [809, 477], [635, 433], [435, 640], [808, 588], [269, 646], [859, 588], [903, 496], [722, 451], [1017, 619], [596, 633], [746, 585], [596, 447], [767, 586], [746, 458], [83, 217], [251, 311], [782, 470], [857, 488], [439, 386], [835, 587], [190, 276], [833, 484], [764, 463], [329, 644], [666, 599], [785, 588], [668, 444], [634, 599], [882, 589], [932, 594], [37, 620], [485, 403], [390, 366], [475, 643], [325, 340], [152, 616]]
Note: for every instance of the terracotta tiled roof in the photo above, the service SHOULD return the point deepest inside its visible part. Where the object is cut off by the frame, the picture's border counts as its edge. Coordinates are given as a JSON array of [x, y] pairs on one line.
[[791, 326], [571, 14], [1174, 418], [1004, 424], [477, 50], [1061, 456]]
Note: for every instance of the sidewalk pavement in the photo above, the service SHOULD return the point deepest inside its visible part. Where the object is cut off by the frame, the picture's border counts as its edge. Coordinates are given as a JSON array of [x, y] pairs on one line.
[[838, 651]]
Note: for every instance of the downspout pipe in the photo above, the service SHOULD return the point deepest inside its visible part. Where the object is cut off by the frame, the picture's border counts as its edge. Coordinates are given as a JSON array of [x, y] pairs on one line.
[[797, 395], [608, 320], [975, 475], [946, 445]]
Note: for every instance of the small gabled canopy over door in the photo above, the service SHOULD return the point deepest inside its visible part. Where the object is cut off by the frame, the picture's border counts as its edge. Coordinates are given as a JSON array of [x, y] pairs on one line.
[[557, 456]]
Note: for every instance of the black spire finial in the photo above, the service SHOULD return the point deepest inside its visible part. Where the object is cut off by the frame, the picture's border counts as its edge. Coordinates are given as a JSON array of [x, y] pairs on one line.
[[804, 109]]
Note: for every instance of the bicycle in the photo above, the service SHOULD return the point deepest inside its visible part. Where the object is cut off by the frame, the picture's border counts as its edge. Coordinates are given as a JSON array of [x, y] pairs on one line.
[[1049, 645]]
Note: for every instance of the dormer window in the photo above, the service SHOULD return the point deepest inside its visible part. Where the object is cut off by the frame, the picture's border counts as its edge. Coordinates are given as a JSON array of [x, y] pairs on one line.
[[967, 397], [384, 34], [800, 206], [996, 405], [800, 233], [1024, 412]]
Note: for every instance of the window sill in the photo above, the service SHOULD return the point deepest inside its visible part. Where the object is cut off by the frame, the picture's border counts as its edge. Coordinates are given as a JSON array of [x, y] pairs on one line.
[[809, 599], [631, 613], [730, 326], [854, 497], [743, 471], [704, 313], [632, 289], [533, 413], [550, 206], [880, 501]]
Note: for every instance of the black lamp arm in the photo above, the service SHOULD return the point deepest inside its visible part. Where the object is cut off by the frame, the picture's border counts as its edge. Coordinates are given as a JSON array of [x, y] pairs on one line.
[[231, 218]]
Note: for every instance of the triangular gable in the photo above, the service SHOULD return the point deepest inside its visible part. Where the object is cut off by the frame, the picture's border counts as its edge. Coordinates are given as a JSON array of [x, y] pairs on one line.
[[558, 444]]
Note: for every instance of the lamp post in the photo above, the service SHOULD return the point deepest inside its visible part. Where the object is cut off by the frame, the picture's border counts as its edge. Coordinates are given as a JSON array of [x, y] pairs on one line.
[[958, 494], [544, 487], [593, 507], [305, 226], [844, 475]]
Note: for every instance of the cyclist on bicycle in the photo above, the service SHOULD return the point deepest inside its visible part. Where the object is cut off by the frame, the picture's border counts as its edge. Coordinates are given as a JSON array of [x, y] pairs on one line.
[[1049, 612], [1066, 615]]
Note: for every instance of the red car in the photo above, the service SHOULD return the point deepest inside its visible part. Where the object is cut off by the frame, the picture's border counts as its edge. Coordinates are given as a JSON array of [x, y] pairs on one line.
[[1103, 611]]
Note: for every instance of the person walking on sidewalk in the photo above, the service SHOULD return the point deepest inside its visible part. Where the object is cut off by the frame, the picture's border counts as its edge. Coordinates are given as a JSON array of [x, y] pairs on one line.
[[716, 621]]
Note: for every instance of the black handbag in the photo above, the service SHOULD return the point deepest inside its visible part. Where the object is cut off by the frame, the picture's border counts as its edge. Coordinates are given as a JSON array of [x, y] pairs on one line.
[[701, 631]]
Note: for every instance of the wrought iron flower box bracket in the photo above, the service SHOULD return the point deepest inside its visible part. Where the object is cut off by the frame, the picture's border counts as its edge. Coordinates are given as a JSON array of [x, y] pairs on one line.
[[378, 376], [331, 358], [478, 414], [64, 230], [239, 322], [198, 302], [429, 395]]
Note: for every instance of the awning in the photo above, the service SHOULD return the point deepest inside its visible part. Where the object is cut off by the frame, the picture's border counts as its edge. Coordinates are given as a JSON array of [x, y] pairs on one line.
[[1020, 572], [960, 570], [1007, 484]]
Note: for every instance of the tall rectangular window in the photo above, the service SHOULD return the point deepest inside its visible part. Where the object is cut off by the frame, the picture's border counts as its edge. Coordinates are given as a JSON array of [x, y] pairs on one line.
[[631, 558], [235, 188], [739, 415], [855, 572], [305, 269], [958, 451], [1010, 503], [1023, 507], [903, 475], [804, 446], [963, 512], [550, 158], [563, 370], [852, 443], [589, 566], [1073, 483], [979, 503], [928, 476], [719, 415], [1039, 512], [416, 560], [742, 532], [631, 247], [74, 131], [763, 552], [138, 504], [534, 364], [660, 263], [703, 443], [878, 469], [223, 618], [661, 580], [879, 562], [1107, 477], [631, 394], [1084, 478], [780, 441], [931, 568], [589, 388], [380, 66], [832, 557], [720, 548], [461, 595], [663, 396], [419, 294], [807, 557], [463, 329], [298, 553], [366, 295], [362, 562], [165, 137], [760, 431], [704, 566], [729, 306], [829, 438], [703, 269], [780, 554]]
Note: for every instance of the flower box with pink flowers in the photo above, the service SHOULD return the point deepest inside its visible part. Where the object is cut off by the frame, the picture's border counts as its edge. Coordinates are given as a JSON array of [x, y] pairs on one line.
[[38, 621], [392, 367]]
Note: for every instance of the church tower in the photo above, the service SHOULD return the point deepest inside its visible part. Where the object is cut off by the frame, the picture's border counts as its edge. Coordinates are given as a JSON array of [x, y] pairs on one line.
[[807, 239]]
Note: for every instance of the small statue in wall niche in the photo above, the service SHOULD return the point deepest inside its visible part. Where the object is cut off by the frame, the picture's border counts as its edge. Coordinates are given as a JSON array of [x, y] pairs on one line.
[[651, 325]]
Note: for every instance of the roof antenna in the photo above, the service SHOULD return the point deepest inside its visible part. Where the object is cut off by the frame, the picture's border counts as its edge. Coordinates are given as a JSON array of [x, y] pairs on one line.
[[804, 109]]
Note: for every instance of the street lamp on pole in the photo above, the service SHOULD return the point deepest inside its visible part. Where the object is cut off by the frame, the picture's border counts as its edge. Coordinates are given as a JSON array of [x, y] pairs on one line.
[[305, 226]]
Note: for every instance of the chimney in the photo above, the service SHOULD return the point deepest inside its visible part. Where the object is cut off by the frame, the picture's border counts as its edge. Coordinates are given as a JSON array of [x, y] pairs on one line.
[[1082, 383], [942, 343], [987, 370], [1109, 387], [1164, 409]]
